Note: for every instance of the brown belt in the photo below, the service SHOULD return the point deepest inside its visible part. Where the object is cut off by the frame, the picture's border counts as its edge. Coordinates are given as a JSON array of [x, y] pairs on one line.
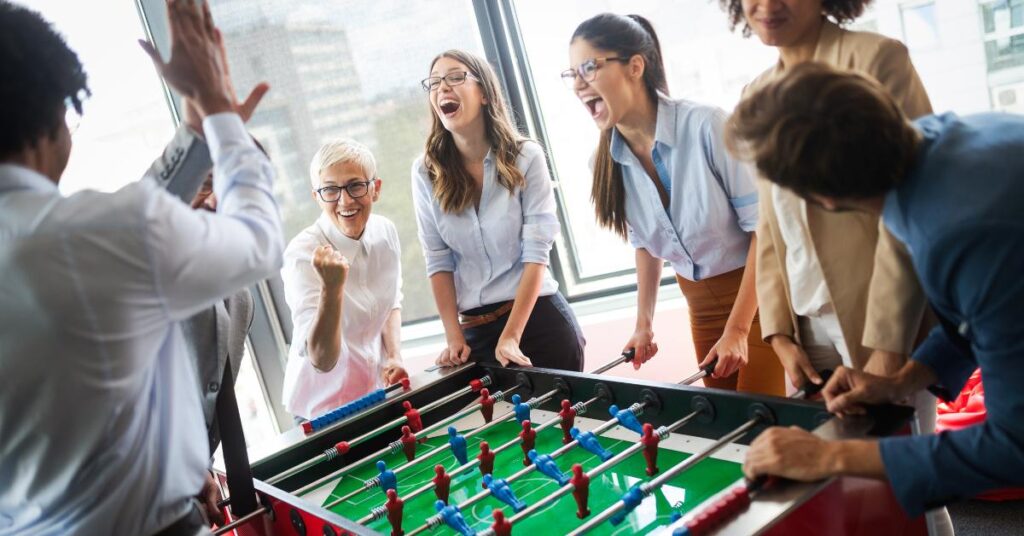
[[486, 318]]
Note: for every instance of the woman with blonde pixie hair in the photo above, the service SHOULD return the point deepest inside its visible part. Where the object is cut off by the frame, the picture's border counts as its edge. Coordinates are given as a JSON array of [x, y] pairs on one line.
[[343, 283], [486, 214]]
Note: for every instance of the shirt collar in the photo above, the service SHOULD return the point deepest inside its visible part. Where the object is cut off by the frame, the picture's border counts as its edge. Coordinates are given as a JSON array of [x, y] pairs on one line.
[[664, 130], [15, 177], [345, 245]]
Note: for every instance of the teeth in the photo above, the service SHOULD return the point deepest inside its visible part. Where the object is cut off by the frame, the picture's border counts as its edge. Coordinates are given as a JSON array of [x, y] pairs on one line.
[[592, 99], [448, 101], [347, 213]]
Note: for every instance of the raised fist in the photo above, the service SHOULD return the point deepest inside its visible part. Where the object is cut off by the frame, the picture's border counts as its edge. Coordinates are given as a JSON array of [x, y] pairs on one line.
[[331, 266]]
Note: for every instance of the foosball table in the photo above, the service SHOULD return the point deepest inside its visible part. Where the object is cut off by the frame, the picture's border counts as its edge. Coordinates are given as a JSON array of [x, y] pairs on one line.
[[482, 449]]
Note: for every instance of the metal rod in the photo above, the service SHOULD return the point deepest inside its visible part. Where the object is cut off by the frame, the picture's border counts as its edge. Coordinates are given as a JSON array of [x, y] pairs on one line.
[[625, 357], [560, 492], [373, 433], [648, 487], [374, 482], [241, 521]]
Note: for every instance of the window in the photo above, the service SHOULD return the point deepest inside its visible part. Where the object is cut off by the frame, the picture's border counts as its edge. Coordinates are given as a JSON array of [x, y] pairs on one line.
[[345, 69], [125, 123], [1003, 22], [704, 61]]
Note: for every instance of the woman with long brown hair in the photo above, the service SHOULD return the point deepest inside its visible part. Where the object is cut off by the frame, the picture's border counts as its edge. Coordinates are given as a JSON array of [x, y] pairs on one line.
[[486, 214], [664, 179]]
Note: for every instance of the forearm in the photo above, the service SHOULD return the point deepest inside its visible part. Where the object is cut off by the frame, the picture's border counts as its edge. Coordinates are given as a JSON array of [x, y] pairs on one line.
[[442, 284], [324, 341], [913, 377], [745, 306], [392, 335], [855, 457], [526, 298], [648, 274]]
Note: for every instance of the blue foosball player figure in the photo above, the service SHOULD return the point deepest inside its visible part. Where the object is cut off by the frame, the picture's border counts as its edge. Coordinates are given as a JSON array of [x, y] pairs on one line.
[[387, 477], [589, 442], [501, 491], [521, 408], [546, 465], [458, 443], [626, 418], [453, 518]]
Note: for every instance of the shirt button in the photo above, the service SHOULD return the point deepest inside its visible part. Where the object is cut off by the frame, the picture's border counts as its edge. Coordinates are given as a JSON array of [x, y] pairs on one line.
[[963, 329], [213, 387]]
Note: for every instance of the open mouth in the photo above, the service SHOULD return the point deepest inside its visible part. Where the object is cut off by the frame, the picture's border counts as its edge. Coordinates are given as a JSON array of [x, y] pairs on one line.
[[449, 107], [347, 214], [595, 105]]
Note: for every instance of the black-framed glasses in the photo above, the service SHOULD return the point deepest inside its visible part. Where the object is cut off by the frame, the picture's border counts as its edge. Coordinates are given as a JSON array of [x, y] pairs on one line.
[[457, 78], [355, 189], [587, 70]]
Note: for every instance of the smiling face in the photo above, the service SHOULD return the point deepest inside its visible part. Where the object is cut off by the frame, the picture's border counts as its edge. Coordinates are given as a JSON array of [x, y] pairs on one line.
[[783, 23], [458, 107], [617, 86], [348, 215]]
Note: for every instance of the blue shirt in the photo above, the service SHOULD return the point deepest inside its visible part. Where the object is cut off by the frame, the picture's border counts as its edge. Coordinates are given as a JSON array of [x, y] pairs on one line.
[[712, 197], [101, 426], [961, 214], [486, 248]]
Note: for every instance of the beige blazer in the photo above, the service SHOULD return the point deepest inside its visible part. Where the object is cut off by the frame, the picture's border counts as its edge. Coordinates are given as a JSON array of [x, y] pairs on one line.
[[868, 273]]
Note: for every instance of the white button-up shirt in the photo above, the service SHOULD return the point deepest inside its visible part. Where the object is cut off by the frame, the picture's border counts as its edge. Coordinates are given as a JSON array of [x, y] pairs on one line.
[[712, 197], [808, 291], [486, 249], [101, 429], [372, 290]]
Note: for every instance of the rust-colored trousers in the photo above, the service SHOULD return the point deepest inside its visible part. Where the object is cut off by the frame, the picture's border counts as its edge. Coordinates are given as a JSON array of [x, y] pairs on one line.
[[710, 302]]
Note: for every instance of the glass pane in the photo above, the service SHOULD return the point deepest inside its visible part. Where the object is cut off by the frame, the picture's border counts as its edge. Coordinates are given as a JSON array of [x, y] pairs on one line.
[[336, 69], [126, 122], [257, 421], [705, 63], [919, 26]]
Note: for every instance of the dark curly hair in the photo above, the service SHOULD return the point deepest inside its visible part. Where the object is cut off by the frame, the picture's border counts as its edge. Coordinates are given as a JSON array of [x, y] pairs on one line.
[[38, 72], [841, 11]]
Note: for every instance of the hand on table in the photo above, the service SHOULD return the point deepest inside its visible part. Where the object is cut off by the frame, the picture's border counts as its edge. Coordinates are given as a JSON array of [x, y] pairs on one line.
[[731, 351], [643, 345], [507, 351], [792, 453], [393, 371], [455, 353]]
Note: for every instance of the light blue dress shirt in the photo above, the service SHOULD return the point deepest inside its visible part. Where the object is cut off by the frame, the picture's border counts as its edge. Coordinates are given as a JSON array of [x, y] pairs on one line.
[[486, 249], [712, 197], [101, 425]]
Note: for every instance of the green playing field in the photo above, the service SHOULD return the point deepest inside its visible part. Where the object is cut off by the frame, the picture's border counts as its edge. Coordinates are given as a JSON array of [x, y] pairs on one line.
[[683, 493]]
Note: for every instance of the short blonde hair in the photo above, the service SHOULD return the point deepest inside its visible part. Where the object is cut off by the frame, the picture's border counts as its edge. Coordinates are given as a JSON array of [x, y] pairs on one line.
[[338, 151]]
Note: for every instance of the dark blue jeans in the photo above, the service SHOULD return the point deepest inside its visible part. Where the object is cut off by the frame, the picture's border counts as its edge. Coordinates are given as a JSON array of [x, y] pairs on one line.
[[551, 339]]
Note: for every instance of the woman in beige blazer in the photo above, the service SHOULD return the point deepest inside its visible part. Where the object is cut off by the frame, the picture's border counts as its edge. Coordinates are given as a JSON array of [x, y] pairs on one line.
[[831, 287]]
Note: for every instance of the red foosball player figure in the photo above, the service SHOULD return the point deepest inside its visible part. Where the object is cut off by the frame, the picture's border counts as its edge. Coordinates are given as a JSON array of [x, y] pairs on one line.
[[580, 490], [408, 443], [486, 404], [529, 437], [442, 482], [486, 458], [412, 417], [568, 416], [395, 506], [501, 526], [650, 441]]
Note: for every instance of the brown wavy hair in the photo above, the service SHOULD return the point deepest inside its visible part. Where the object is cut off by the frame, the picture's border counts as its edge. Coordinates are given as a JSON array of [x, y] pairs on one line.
[[452, 184], [819, 130], [627, 36], [841, 11]]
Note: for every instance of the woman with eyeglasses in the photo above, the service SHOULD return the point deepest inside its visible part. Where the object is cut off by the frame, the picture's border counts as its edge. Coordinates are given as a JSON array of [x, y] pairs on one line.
[[486, 214], [342, 281], [664, 180]]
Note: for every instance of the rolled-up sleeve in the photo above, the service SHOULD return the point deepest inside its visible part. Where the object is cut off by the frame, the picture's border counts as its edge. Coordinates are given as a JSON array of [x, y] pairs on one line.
[[735, 176], [540, 221], [436, 253], [242, 243]]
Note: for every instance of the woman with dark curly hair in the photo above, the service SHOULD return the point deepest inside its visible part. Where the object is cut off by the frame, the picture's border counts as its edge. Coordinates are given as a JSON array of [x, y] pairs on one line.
[[834, 288]]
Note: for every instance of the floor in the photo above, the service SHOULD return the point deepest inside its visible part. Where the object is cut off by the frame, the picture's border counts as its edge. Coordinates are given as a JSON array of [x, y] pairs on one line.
[[984, 518]]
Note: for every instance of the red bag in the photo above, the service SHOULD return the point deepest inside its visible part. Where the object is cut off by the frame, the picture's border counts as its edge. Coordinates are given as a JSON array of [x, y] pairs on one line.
[[968, 409]]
